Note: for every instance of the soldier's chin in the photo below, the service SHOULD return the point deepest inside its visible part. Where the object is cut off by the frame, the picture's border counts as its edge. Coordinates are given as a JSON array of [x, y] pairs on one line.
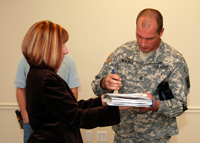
[[145, 50]]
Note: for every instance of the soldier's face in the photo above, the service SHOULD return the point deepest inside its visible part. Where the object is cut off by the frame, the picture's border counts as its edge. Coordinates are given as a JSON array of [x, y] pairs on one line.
[[147, 36]]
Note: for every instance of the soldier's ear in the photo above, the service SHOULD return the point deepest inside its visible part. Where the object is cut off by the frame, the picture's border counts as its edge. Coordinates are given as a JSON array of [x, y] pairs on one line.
[[161, 31]]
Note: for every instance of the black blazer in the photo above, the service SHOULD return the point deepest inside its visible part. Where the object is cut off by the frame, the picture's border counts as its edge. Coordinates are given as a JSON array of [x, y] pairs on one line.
[[55, 115]]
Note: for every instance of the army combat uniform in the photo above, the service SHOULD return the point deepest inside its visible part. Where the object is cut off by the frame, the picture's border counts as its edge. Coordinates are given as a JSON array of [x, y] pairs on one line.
[[138, 76]]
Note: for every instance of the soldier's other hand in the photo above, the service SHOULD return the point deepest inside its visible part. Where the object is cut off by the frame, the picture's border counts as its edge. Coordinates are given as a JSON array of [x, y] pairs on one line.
[[111, 82], [155, 104]]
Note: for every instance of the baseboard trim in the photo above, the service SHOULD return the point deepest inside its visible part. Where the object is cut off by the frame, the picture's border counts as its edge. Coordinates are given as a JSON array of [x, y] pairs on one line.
[[14, 106], [193, 109], [9, 106]]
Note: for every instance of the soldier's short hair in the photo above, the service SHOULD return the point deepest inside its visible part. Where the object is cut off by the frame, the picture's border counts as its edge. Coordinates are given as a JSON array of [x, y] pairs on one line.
[[152, 13]]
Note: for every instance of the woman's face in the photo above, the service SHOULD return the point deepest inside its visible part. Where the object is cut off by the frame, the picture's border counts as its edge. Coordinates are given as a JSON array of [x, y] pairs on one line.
[[65, 51]]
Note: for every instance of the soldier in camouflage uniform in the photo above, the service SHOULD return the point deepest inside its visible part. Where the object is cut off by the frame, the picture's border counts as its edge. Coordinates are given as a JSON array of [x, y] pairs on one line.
[[140, 66]]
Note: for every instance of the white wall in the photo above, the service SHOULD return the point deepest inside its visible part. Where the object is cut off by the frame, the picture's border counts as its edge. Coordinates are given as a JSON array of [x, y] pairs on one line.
[[96, 28]]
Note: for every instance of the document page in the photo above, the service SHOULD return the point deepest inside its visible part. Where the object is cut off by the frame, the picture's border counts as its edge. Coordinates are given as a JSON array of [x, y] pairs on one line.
[[135, 99]]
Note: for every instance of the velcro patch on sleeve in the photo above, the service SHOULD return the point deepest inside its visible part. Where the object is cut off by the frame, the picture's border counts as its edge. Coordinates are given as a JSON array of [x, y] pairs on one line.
[[109, 58]]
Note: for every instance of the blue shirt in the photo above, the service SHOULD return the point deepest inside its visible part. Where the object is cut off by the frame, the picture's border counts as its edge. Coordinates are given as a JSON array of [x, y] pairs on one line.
[[67, 71]]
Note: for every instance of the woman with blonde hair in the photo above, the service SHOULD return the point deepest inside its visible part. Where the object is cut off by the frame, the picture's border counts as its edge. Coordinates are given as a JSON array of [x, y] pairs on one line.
[[54, 113]]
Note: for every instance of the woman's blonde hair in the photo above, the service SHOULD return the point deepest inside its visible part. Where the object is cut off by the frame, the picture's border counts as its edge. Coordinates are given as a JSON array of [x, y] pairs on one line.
[[43, 45]]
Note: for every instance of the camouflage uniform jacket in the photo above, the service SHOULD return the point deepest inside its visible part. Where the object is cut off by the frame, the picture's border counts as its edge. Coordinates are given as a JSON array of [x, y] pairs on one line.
[[138, 76]]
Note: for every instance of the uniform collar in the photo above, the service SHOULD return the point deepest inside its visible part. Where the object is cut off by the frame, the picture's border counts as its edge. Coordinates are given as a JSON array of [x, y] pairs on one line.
[[156, 57]]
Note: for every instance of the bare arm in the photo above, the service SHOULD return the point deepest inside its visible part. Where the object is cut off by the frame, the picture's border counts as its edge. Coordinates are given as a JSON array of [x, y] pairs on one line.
[[75, 91], [21, 99]]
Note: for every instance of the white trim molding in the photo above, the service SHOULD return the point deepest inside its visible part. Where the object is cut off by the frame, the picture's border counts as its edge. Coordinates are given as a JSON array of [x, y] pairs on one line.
[[9, 106], [193, 109], [14, 106]]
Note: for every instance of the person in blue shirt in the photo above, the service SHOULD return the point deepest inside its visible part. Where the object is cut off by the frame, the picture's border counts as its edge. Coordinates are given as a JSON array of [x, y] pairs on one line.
[[67, 71]]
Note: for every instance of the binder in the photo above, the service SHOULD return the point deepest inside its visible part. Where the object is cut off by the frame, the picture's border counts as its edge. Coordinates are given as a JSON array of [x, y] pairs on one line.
[[135, 99]]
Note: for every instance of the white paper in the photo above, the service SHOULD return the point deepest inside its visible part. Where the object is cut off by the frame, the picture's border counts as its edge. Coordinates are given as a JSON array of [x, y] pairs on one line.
[[135, 99]]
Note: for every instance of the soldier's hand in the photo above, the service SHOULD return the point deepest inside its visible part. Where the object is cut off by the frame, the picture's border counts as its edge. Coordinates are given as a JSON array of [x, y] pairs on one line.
[[111, 82], [155, 104]]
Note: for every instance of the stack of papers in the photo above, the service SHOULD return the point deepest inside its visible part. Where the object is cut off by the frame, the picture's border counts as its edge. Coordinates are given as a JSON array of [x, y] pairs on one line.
[[136, 100]]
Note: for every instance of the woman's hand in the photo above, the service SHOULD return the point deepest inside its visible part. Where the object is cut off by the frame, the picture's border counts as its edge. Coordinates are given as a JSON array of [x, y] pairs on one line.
[[125, 107], [102, 100]]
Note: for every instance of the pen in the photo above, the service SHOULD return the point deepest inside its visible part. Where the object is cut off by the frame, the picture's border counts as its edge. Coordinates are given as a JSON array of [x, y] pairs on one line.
[[113, 72]]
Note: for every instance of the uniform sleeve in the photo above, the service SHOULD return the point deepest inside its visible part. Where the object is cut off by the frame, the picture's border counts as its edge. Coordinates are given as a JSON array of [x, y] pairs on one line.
[[105, 70], [22, 71], [84, 114], [179, 84]]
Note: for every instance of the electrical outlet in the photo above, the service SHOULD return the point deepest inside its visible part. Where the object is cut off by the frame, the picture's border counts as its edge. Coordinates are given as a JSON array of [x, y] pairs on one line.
[[101, 136], [88, 136]]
